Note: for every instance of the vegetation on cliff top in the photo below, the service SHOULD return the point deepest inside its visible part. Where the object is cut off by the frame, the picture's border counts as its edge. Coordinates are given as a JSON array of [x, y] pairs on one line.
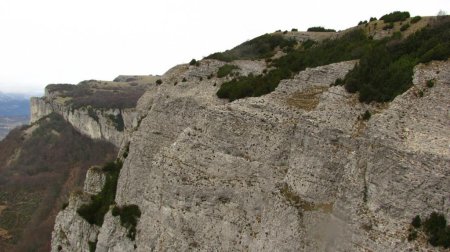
[[106, 97], [385, 68], [320, 29], [257, 48], [350, 46]]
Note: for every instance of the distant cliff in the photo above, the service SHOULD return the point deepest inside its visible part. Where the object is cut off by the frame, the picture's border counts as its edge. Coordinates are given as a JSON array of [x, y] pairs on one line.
[[100, 110]]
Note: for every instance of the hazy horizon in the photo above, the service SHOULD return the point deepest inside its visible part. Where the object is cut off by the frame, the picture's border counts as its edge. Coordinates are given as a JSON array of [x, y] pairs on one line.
[[52, 41]]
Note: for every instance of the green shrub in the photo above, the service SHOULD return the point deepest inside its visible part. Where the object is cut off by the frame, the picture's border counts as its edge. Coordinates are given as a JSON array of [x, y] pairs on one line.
[[416, 222], [395, 16], [257, 48], [193, 62], [362, 22], [435, 226], [159, 82], [430, 83], [420, 93], [320, 29], [294, 30], [338, 82], [366, 116], [386, 70], [95, 211], [92, 246], [372, 19], [404, 27], [412, 235], [117, 121], [415, 19], [388, 26], [92, 113], [129, 215], [226, 70], [396, 35]]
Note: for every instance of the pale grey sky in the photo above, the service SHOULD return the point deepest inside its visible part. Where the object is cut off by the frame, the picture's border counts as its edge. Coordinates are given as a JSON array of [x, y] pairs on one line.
[[67, 41]]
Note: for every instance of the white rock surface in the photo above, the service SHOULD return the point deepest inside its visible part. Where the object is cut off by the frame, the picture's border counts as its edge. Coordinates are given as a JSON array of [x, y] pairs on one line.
[[294, 170]]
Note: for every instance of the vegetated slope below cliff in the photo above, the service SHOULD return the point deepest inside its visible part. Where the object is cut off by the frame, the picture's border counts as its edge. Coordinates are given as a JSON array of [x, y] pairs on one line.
[[39, 165]]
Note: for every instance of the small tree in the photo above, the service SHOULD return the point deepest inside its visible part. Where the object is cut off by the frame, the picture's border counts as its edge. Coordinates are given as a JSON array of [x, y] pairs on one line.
[[416, 222], [366, 116]]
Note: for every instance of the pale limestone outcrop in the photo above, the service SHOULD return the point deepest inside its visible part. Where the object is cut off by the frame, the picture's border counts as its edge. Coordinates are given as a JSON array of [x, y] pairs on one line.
[[71, 232], [101, 127], [294, 170], [95, 180]]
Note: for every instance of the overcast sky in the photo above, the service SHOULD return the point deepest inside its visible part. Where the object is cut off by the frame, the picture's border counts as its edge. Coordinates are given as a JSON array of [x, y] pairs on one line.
[[67, 41]]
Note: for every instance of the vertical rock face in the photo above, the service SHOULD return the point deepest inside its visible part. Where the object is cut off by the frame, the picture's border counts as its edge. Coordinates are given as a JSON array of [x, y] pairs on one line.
[[95, 179], [295, 170], [95, 123], [72, 232]]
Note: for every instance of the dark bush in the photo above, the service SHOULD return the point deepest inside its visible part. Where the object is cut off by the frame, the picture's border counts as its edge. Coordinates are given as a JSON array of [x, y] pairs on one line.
[[193, 62], [226, 70], [362, 22], [395, 16], [372, 19], [158, 82], [412, 235], [435, 226], [430, 83], [416, 222], [366, 116], [294, 30], [92, 113], [117, 121], [129, 215], [415, 19], [257, 48], [404, 27], [320, 29], [92, 246], [388, 26]]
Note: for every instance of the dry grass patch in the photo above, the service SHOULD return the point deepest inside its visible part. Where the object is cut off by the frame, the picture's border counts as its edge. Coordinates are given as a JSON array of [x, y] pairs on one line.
[[303, 205], [307, 99]]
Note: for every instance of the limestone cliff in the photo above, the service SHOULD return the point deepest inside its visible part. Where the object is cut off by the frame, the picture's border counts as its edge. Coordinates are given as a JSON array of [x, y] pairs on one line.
[[99, 127], [294, 170], [100, 110]]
